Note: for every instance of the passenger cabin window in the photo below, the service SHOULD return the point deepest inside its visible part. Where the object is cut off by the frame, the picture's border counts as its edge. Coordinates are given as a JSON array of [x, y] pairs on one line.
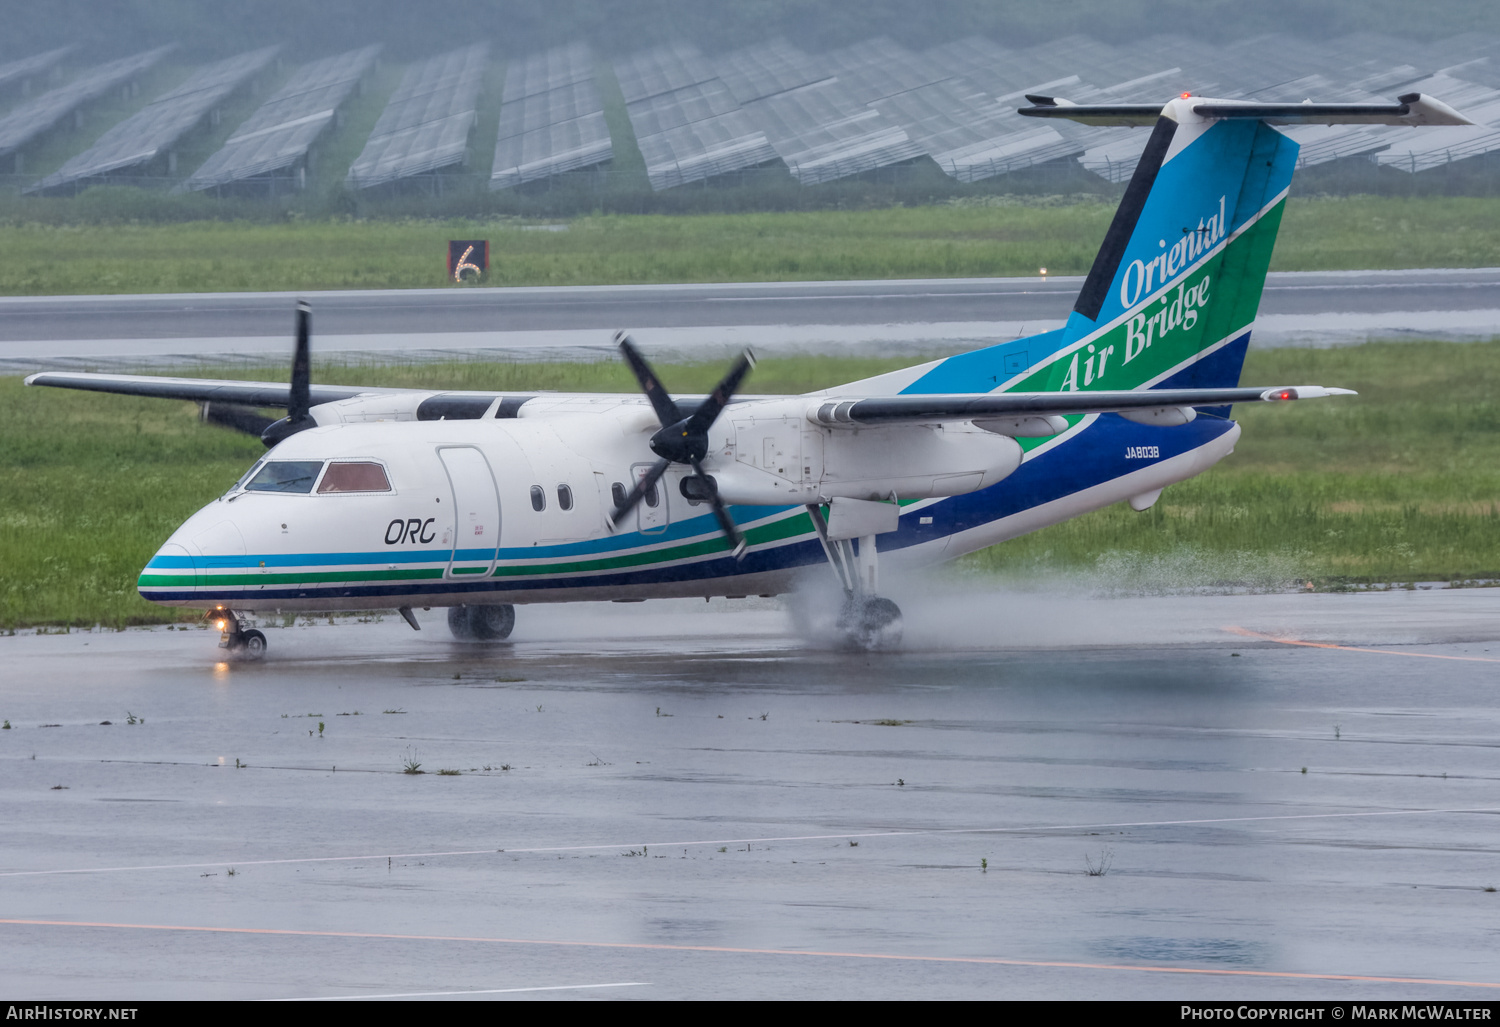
[[565, 497], [538, 499], [285, 476], [617, 493], [653, 497], [354, 477]]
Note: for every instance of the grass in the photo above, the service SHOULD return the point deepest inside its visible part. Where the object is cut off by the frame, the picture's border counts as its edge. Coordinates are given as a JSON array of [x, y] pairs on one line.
[[999, 236], [1401, 484]]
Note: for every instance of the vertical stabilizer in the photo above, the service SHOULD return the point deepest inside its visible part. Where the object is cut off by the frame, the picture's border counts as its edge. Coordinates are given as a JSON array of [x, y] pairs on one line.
[[1172, 294]]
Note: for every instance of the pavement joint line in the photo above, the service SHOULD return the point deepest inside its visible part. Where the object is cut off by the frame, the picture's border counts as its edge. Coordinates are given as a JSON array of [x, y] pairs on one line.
[[698, 843], [738, 950], [1247, 633], [446, 994]]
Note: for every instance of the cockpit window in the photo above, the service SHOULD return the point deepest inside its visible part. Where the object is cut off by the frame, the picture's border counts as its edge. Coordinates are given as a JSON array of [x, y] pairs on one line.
[[247, 475], [285, 476], [350, 476]]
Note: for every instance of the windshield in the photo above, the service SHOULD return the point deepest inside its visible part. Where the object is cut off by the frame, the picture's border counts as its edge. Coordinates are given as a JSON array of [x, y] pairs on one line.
[[285, 476], [247, 476]]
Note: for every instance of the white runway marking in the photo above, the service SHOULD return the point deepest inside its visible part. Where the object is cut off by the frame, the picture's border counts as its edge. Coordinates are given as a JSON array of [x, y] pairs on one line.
[[698, 843]]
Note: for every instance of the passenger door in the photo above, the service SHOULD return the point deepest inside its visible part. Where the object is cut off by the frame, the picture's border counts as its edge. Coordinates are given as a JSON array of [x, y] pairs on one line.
[[476, 512]]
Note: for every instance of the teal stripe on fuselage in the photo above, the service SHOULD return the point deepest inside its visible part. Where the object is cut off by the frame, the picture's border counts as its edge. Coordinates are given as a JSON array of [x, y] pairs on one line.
[[679, 531]]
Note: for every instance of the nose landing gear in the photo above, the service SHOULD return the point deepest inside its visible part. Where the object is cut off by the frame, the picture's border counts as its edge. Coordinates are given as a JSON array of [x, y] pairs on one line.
[[242, 642]]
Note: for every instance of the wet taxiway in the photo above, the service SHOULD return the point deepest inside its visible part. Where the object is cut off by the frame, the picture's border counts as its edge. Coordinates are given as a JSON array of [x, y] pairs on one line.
[[1289, 796]]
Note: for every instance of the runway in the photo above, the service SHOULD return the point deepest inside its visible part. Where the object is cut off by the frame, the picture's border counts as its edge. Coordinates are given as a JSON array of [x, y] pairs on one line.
[[1283, 796], [879, 317]]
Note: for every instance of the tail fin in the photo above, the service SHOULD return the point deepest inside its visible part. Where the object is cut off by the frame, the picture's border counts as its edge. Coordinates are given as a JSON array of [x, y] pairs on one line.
[[1172, 294]]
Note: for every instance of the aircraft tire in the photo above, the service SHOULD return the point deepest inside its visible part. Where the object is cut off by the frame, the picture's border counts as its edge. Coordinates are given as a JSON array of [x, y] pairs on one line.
[[458, 623], [492, 623], [252, 645], [873, 623]]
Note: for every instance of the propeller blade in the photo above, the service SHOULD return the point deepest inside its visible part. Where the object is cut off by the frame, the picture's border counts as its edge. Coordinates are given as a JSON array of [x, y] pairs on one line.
[[299, 403], [726, 523], [666, 410], [235, 417], [638, 493], [301, 399], [709, 410]]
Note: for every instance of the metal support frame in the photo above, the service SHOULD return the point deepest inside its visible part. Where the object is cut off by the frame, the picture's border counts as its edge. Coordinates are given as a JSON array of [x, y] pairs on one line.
[[857, 570]]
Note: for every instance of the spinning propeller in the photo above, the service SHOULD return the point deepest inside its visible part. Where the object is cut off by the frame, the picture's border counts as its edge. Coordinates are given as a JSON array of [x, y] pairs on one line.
[[683, 439]]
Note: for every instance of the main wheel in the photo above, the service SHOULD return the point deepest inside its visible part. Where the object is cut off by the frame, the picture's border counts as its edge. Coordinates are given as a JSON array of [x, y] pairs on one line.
[[482, 623], [492, 623], [873, 623]]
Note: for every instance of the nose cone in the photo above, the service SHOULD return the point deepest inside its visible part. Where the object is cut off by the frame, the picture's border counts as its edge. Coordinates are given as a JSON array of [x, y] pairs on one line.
[[171, 576]]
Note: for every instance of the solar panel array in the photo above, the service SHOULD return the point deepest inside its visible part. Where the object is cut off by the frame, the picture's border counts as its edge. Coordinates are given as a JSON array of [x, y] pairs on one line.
[[157, 127], [33, 117], [279, 134], [687, 123], [27, 67], [551, 118], [426, 123]]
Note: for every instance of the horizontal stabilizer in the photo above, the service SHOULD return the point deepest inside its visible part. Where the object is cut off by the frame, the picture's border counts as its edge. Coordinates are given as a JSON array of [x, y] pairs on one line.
[[916, 409], [1412, 109]]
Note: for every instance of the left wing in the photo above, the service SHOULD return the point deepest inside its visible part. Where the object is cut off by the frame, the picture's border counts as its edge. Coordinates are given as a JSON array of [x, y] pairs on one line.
[[202, 390]]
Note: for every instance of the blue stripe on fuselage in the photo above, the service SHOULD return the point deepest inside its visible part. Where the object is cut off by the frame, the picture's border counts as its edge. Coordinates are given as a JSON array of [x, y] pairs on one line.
[[1096, 455]]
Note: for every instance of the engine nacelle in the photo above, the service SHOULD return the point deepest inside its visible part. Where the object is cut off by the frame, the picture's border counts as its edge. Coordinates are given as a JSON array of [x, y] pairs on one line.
[[774, 460]]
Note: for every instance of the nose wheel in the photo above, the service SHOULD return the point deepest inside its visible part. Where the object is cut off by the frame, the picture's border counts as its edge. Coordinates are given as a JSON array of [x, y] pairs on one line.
[[242, 642]]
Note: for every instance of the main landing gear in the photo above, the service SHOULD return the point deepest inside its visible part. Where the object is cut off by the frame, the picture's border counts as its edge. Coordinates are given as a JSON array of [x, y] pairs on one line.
[[242, 642], [481, 623], [866, 620]]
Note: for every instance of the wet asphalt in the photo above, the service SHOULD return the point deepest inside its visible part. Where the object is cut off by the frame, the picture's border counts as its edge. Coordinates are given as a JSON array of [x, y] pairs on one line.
[[1040, 795]]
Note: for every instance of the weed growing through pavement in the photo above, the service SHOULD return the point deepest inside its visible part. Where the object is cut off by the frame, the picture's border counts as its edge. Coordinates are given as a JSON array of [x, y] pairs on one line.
[[984, 865], [1106, 859], [446, 772], [410, 765]]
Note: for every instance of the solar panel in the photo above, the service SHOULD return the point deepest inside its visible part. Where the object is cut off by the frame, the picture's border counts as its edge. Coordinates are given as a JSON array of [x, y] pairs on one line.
[[26, 67], [554, 69], [765, 69], [538, 110], [426, 122], [823, 133], [969, 142], [154, 129], [661, 70], [688, 124], [279, 134], [551, 150], [32, 118], [1415, 151], [703, 149], [552, 120]]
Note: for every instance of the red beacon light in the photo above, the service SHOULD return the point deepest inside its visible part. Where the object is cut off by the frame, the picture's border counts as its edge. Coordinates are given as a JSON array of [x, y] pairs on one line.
[[1186, 96]]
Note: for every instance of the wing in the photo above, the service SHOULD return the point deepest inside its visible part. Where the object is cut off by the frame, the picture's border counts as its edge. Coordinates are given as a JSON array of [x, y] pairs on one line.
[[204, 390], [968, 406]]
